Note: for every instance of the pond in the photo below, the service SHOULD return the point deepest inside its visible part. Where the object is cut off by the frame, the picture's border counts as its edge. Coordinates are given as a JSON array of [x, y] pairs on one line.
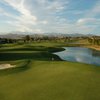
[[80, 54]]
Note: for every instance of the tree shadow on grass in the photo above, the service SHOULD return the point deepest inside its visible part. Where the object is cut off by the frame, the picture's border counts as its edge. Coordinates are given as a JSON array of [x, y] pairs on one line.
[[33, 48], [26, 48], [41, 56]]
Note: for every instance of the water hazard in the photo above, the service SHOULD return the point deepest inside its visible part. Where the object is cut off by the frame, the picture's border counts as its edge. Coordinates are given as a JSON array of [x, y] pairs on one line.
[[79, 54]]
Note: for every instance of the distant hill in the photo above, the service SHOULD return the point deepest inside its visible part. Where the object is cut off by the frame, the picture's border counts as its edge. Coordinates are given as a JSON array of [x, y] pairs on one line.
[[18, 35], [12, 36]]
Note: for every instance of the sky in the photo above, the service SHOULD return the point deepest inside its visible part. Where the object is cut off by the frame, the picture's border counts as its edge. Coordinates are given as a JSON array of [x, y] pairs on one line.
[[50, 16]]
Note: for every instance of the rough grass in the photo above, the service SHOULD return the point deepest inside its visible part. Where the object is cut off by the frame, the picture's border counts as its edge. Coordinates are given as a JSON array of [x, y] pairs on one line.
[[39, 78]]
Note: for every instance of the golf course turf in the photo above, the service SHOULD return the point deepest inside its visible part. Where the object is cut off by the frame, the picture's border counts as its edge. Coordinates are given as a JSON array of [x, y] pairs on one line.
[[37, 77]]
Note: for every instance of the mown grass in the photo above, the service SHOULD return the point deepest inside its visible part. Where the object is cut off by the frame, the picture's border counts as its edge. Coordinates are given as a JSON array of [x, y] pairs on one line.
[[37, 77]]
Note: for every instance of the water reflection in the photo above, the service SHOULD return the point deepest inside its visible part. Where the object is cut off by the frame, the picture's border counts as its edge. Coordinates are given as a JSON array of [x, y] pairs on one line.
[[79, 54]]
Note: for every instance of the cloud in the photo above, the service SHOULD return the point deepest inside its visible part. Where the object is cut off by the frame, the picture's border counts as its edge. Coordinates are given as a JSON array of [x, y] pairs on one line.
[[94, 11], [1, 10], [50, 16], [44, 22], [25, 18], [29, 17], [56, 6], [53, 5], [92, 21], [4, 13], [89, 23]]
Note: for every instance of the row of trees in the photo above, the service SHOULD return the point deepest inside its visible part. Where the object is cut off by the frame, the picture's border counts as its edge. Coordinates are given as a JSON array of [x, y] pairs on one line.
[[27, 39], [6, 40], [94, 40]]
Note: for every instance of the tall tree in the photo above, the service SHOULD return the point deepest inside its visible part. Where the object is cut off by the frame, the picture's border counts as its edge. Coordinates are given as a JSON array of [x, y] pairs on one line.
[[27, 38]]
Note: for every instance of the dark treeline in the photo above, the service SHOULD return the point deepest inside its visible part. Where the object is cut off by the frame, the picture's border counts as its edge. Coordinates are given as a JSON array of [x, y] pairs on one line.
[[7, 40], [27, 39]]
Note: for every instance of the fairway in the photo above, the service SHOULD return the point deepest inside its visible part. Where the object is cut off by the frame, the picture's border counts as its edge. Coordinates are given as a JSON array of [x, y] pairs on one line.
[[37, 77]]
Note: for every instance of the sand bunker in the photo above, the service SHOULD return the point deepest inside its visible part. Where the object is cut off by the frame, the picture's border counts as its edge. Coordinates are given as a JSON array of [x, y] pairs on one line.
[[6, 66]]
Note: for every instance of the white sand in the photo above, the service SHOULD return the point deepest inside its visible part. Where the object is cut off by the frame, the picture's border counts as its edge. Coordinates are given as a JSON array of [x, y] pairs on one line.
[[6, 66]]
